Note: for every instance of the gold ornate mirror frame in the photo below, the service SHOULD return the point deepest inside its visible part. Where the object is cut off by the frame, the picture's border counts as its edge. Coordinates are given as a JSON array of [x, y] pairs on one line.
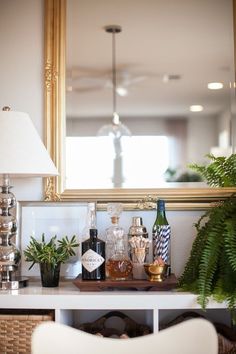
[[180, 198]]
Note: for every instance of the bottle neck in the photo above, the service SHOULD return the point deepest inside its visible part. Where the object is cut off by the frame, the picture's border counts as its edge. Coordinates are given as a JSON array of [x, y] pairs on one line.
[[114, 220], [93, 234], [93, 237], [119, 247], [161, 215], [161, 219]]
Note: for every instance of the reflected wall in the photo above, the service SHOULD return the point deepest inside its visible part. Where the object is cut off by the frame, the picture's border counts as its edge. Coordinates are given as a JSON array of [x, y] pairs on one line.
[[166, 56]]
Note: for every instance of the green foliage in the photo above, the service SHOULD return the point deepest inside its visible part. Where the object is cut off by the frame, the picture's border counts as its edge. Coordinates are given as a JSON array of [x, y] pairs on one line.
[[221, 172], [211, 268], [171, 175], [53, 252], [189, 177]]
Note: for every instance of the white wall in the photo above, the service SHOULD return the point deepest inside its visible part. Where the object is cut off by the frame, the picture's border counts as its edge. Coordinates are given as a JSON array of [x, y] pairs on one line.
[[207, 137], [21, 71]]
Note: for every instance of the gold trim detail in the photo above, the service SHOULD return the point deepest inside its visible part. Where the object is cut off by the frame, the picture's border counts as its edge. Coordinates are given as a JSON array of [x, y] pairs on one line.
[[50, 195], [50, 76], [147, 202]]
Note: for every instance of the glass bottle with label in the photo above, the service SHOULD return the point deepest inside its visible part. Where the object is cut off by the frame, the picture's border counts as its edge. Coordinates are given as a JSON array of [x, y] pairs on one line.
[[93, 257], [161, 233], [118, 263]]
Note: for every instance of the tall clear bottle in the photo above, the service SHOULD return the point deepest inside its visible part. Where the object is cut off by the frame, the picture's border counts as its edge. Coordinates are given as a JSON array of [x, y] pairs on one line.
[[118, 263], [93, 257], [90, 222], [161, 237]]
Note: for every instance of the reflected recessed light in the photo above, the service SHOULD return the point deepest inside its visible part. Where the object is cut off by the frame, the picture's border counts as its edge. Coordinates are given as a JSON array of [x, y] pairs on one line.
[[215, 85], [196, 108]]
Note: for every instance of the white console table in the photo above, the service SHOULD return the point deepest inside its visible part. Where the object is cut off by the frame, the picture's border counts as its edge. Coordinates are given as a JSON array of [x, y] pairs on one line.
[[67, 301]]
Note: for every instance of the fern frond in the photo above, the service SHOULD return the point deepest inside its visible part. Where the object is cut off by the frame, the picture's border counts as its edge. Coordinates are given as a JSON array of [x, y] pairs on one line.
[[225, 290], [209, 264], [221, 172], [230, 241], [191, 271], [211, 267]]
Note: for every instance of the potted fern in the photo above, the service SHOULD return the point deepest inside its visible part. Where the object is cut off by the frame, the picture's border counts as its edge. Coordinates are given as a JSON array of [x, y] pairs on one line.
[[211, 267], [49, 256]]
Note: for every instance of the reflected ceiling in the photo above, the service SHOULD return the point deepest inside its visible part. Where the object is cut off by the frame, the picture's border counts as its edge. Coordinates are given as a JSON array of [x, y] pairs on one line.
[[167, 53]]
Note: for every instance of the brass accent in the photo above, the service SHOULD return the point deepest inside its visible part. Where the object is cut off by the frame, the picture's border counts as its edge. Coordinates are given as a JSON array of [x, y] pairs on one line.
[[54, 90], [154, 272], [147, 202], [50, 194], [6, 108], [50, 76], [180, 198]]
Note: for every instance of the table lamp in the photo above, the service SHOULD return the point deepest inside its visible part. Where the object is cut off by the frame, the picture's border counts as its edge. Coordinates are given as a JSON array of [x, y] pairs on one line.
[[23, 154]]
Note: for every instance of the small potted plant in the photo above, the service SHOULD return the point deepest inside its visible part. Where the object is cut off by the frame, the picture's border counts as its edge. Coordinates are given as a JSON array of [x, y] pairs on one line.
[[49, 256]]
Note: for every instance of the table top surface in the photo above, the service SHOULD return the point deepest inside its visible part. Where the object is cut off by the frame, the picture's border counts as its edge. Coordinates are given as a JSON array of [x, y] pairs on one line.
[[68, 296]]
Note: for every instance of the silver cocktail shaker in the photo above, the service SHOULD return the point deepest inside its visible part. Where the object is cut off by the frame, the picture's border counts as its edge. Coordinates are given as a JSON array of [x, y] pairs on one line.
[[137, 228], [138, 246]]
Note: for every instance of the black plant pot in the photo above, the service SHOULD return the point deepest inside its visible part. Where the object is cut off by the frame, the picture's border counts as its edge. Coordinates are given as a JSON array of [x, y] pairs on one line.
[[50, 274]]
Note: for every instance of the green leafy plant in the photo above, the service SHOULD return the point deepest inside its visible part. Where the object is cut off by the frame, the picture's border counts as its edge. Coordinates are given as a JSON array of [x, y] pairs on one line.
[[221, 172], [211, 267], [171, 175], [52, 252]]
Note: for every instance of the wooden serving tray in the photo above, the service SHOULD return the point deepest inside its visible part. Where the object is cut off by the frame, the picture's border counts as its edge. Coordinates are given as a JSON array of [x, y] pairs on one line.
[[134, 284]]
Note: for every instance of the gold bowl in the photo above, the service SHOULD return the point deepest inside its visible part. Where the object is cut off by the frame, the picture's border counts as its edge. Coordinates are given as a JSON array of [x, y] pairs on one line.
[[154, 271]]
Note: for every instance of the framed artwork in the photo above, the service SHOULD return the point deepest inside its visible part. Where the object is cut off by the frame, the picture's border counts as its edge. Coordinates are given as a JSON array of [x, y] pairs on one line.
[[50, 219]]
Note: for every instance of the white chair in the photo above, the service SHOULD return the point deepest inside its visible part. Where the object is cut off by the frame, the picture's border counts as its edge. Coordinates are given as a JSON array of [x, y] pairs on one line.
[[195, 336]]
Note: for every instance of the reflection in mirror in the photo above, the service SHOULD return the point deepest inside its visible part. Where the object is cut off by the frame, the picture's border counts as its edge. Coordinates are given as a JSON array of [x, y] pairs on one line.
[[167, 55]]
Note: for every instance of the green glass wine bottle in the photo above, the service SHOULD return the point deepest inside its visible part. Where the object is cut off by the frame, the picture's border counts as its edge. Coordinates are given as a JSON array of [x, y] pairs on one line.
[[161, 233]]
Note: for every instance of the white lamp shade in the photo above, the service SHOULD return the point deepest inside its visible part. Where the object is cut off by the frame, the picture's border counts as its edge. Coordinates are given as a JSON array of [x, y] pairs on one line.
[[22, 152]]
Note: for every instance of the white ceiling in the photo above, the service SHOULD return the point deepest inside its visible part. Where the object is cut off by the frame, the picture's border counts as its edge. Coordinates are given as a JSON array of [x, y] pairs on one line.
[[190, 38]]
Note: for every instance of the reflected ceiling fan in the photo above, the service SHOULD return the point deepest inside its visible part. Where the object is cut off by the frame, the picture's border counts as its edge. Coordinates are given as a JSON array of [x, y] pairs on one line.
[[83, 79], [86, 79]]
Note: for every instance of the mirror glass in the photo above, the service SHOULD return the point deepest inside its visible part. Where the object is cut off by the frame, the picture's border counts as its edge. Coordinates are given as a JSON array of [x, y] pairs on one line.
[[167, 54]]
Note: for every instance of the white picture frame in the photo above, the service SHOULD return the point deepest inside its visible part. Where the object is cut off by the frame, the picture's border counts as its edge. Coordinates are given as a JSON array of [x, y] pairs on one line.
[[51, 218]]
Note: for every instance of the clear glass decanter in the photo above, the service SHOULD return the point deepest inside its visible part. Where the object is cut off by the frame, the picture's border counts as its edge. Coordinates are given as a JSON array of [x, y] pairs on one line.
[[118, 263], [90, 222]]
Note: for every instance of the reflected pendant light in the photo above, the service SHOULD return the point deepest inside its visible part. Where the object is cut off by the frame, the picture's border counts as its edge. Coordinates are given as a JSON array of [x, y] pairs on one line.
[[115, 129]]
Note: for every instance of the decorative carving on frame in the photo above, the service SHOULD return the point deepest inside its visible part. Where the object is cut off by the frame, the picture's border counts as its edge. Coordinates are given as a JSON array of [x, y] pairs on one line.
[[50, 194], [51, 76]]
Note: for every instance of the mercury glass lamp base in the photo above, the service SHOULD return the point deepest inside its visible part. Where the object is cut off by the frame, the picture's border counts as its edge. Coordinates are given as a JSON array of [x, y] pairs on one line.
[[17, 283]]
